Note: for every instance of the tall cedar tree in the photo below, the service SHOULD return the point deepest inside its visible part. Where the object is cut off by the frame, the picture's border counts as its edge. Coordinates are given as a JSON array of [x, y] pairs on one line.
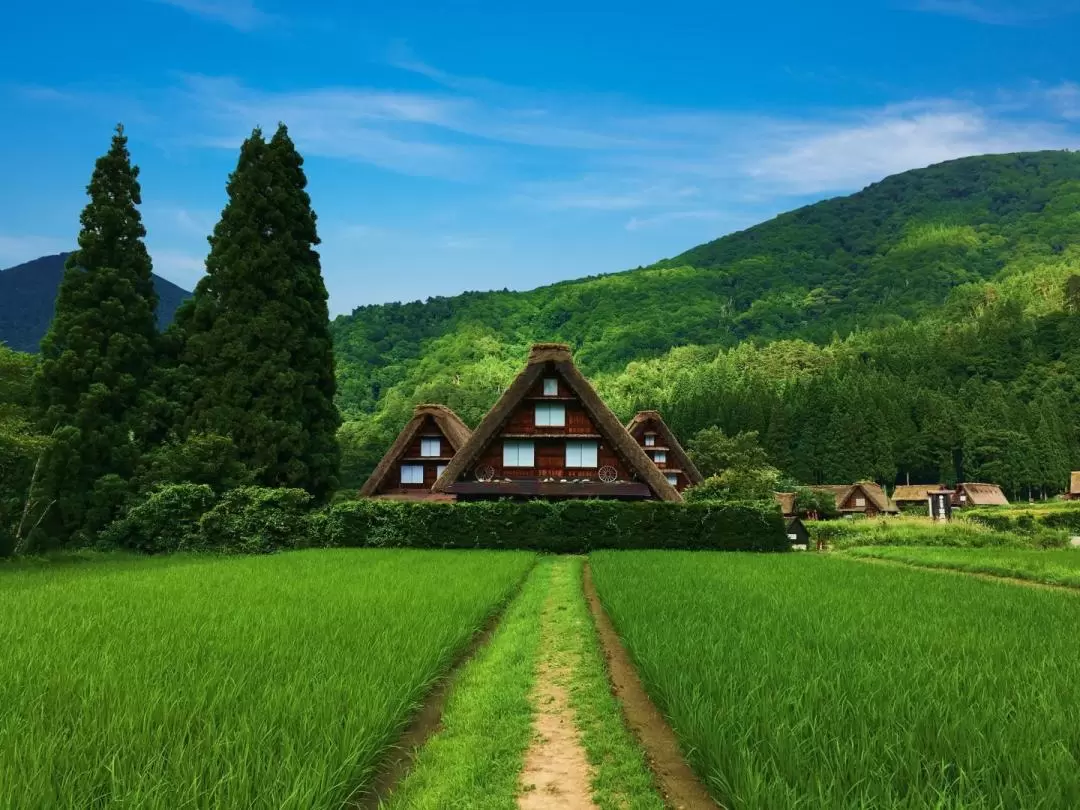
[[257, 357], [96, 358]]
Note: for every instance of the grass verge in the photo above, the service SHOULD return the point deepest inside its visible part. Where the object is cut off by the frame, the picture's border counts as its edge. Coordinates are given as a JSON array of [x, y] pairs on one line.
[[1051, 567], [475, 758]]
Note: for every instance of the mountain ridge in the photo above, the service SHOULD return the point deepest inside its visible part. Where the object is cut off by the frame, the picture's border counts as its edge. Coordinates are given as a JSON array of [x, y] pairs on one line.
[[28, 296]]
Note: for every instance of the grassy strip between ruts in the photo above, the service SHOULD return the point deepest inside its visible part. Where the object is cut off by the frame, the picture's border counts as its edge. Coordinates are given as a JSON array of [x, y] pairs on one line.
[[1051, 567], [475, 759], [620, 775]]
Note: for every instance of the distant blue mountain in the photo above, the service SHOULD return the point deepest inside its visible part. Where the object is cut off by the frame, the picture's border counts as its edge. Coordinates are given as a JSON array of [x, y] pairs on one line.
[[28, 296]]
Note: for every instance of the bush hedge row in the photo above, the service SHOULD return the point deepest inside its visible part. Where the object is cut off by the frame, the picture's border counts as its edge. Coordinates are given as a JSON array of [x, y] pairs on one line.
[[1063, 516], [566, 526], [181, 517]]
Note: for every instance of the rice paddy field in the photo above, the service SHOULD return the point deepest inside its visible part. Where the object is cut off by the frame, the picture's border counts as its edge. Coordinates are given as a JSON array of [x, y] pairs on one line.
[[1051, 566], [812, 681], [208, 682]]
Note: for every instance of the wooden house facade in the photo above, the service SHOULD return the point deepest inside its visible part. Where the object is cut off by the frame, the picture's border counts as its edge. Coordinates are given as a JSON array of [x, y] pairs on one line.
[[551, 436], [421, 452], [653, 435]]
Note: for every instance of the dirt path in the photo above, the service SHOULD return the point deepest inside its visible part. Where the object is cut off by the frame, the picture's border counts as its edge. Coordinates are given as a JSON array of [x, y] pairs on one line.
[[679, 784], [983, 575], [556, 772]]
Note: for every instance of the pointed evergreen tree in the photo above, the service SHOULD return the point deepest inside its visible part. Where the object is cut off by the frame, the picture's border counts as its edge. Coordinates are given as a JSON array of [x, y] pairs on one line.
[[257, 353], [97, 356]]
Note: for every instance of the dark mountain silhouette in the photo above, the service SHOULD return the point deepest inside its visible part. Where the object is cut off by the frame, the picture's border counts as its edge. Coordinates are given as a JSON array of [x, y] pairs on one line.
[[28, 295]]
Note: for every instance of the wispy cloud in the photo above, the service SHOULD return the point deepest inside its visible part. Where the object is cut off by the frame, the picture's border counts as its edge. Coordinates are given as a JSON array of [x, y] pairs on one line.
[[242, 15], [668, 217], [179, 267], [1001, 12], [17, 249]]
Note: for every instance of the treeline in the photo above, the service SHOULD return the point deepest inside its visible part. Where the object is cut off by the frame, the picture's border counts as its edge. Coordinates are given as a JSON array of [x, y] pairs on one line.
[[239, 390]]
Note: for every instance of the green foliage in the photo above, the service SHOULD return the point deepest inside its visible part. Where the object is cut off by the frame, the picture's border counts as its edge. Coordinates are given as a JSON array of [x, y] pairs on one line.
[[200, 458], [256, 358], [818, 502], [167, 519], [20, 443], [1059, 516], [97, 357], [257, 520], [843, 534], [714, 452], [563, 527]]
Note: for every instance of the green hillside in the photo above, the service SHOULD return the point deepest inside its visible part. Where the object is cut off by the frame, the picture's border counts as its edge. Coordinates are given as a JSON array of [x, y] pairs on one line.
[[947, 256]]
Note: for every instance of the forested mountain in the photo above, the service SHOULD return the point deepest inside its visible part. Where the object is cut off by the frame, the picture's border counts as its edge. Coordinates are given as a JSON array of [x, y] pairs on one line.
[[28, 295], [919, 328]]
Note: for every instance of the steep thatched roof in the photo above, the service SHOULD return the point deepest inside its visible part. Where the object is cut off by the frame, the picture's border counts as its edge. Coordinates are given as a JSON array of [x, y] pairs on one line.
[[873, 492], [605, 420], [448, 422], [914, 493], [643, 419], [1074, 484], [983, 494], [786, 501]]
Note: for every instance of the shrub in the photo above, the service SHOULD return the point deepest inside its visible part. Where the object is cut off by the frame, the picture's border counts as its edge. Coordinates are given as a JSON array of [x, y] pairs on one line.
[[1028, 520], [565, 527], [7, 542], [201, 458], [841, 534], [257, 520], [166, 520]]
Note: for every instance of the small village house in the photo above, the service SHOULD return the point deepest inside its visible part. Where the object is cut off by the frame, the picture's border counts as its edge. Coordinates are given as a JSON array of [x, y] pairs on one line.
[[797, 533], [978, 495], [861, 498], [913, 495], [419, 455], [1074, 487], [551, 436], [650, 431]]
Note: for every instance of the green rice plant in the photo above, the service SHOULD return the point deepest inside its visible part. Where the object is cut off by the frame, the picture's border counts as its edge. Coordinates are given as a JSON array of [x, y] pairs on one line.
[[1051, 566], [1028, 518], [237, 682], [922, 531], [812, 681]]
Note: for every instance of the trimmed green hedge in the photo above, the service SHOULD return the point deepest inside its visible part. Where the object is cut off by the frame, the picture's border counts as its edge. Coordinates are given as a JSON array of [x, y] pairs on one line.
[[1065, 516], [567, 526]]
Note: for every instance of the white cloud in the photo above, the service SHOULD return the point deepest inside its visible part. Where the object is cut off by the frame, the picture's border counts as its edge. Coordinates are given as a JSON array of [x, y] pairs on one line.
[[849, 155], [242, 15], [18, 249], [666, 218], [183, 269]]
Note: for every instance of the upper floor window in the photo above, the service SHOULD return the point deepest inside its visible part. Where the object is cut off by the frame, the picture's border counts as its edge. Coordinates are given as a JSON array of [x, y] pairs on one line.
[[672, 479], [517, 453], [551, 387], [550, 414], [439, 470], [660, 456], [860, 501], [650, 439], [582, 455], [430, 447], [412, 473]]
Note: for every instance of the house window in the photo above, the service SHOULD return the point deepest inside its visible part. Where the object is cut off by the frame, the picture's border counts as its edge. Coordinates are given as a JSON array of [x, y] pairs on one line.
[[660, 456], [550, 414], [439, 470], [551, 387], [672, 479], [650, 439], [517, 453], [581, 455], [412, 473], [430, 447], [860, 501]]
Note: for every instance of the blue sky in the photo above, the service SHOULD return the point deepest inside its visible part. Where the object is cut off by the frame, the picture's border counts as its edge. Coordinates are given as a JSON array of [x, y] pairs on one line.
[[473, 146]]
